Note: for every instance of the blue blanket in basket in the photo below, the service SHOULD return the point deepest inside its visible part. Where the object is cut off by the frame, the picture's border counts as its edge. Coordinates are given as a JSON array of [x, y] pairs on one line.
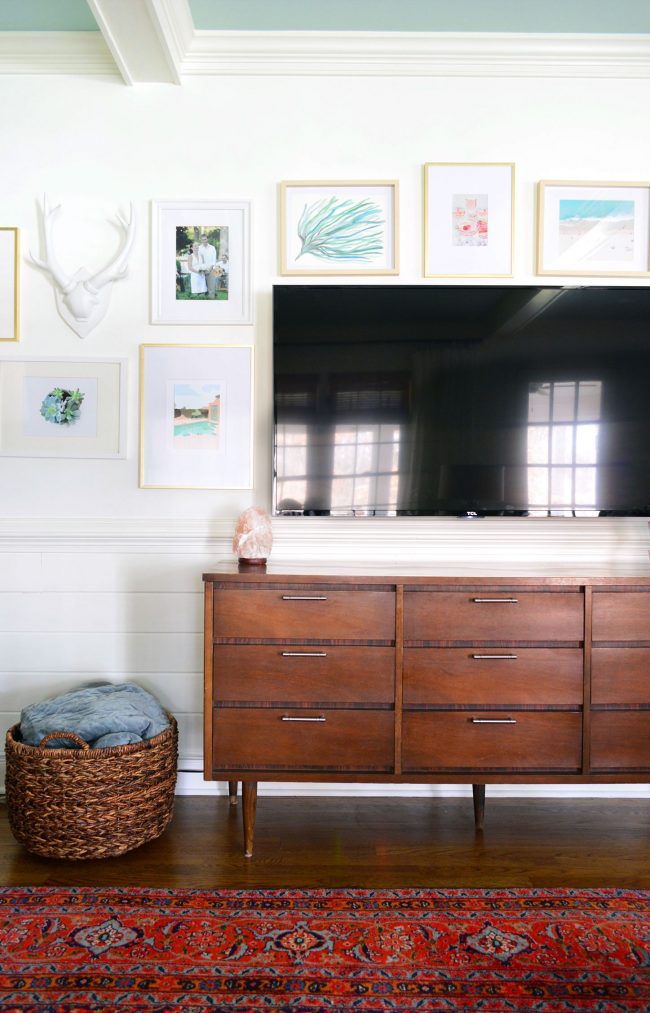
[[103, 715]]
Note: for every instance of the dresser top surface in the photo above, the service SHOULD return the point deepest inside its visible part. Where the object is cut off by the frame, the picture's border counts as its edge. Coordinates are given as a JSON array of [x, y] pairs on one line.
[[431, 573]]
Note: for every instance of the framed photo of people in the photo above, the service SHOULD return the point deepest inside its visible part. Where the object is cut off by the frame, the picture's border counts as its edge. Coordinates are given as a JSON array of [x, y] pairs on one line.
[[200, 260]]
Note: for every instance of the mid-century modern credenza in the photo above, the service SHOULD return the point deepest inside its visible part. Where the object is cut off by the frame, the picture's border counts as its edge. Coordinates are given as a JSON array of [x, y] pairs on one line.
[[351, 676]]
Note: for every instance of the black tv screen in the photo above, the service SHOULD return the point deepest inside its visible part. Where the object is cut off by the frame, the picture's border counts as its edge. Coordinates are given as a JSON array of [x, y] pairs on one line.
[[461, 399]]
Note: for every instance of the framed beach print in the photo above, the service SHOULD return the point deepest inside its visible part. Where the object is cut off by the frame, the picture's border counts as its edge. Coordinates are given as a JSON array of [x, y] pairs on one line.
[[468, 219], [63, 407], [9, 315], [200, 262], [196, 416], [593, 228], [339, 227]]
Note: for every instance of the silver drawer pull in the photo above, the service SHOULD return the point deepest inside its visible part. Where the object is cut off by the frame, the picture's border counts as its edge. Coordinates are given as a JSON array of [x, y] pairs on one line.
[[304, 597], [496, 601], [493, 721], [494, 657], [304, 654], [285, 717]]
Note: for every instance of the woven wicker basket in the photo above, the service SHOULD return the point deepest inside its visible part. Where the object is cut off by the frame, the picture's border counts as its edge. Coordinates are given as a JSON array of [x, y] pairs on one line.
[[90, 803]]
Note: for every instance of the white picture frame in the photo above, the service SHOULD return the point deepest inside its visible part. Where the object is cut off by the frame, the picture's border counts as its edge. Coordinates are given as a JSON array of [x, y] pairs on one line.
[[196, 416], [469, 219], [33, 420], [9, 283], [345, 227], [228, 225], [593, 229]]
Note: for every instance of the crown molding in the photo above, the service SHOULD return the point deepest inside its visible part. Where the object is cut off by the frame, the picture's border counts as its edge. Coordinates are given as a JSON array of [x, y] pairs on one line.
[[426, 54], [55, 53], [166, 32]]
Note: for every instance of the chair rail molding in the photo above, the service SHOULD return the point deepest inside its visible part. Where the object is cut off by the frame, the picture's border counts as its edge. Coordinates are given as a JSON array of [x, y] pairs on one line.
[[619, 544]]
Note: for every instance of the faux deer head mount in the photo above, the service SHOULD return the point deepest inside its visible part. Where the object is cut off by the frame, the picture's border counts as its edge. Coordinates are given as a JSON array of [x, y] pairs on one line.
[[82, 298]]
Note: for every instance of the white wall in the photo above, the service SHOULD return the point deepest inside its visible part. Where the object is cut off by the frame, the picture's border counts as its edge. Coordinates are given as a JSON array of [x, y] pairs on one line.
[[99, 578]]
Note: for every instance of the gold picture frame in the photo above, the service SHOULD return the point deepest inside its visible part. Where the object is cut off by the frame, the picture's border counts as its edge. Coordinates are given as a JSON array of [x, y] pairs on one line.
[[469, 219], [196, 416], [587, 229], [9, 283], [340, 227]]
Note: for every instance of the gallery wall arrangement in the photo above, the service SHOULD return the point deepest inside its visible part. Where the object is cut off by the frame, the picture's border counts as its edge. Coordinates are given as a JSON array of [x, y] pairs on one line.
[[196, 400]]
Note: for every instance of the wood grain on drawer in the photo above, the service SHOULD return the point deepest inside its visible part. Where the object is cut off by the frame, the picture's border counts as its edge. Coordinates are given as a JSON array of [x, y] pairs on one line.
[[620, 675], [477, 616], [620, 740], [540, 741], [462, 675], [289, 673], [299, 614], [623, 616], [249, 739]]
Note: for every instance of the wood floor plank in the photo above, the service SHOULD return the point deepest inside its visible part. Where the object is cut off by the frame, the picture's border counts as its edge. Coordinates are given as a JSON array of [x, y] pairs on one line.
[[336, 842]]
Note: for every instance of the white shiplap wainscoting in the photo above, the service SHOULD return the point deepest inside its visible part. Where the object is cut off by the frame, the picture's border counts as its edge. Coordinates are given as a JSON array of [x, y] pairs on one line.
[[121, 599]]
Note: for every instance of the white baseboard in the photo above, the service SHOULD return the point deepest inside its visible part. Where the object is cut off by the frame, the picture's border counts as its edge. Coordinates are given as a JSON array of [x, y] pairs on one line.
[[192, 783]]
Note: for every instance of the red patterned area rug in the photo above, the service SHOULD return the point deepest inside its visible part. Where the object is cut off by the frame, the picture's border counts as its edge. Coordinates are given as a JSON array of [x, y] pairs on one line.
[[76, 950]]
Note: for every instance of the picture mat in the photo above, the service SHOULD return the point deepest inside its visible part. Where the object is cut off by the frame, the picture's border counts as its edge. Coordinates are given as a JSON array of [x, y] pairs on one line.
[[554, 261], [443, 184], [8, 268], [166, 308], [110, 439], [296, 196], [162, 463]]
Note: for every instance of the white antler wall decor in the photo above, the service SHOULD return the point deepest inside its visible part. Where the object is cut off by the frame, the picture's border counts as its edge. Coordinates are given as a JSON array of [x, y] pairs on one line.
[[81, 298]]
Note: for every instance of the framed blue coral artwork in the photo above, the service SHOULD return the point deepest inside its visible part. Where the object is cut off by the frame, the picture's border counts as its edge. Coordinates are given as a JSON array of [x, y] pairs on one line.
[[344, 227], [62, 407]]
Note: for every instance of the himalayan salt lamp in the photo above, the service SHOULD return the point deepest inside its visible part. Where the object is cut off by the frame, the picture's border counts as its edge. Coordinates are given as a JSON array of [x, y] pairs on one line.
[[253, 537]]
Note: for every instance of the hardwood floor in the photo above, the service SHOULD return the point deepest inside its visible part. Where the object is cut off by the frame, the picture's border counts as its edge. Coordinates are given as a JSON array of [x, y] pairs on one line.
[[370, 843]]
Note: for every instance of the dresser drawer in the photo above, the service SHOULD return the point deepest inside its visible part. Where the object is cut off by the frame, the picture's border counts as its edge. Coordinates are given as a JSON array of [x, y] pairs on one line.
[[624, 616], [479, 616], [297, 613], [456, 741], [461, 675], [620, 740], [620, 675], [277, 739], [268, 673]]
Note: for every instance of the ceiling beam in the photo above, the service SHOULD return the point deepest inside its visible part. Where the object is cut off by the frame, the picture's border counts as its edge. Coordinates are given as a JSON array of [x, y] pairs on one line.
[[147, 38]]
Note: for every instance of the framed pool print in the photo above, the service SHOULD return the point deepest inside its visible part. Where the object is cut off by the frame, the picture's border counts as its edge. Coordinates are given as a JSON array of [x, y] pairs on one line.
[[593, 228], [200, 262], [196, 416], [344, 227], [468, 219], [63, 407], [9, 280]]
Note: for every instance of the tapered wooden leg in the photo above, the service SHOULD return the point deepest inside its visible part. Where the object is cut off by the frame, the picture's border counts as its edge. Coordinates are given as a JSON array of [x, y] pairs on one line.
[[232, 791], [478, 791], [249, 799]]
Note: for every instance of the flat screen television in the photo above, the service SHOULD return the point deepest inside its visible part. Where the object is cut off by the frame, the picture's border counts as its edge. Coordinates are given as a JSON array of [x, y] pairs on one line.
[[424, 400]]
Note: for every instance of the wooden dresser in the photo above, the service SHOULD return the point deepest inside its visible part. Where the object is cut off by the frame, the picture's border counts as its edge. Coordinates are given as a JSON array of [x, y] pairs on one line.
[[423, 678]]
